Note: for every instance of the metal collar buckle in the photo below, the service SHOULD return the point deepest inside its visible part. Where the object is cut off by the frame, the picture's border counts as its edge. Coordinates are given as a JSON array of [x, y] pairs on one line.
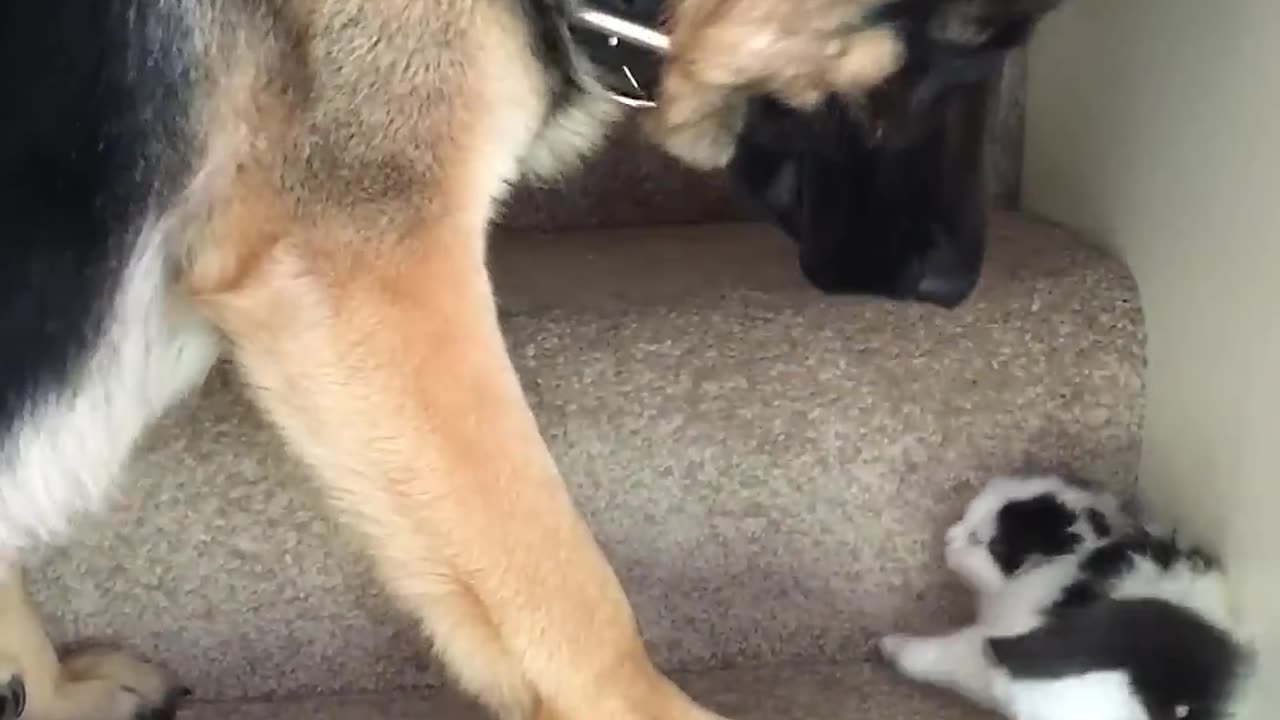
[[617, 29]]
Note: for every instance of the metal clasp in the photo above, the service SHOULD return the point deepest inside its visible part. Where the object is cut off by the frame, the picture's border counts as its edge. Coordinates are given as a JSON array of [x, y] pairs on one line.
[[618, 29]]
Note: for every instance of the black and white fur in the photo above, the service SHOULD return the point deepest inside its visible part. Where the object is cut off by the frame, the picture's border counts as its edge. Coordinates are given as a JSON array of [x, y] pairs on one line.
[[95, 343], [1084, 612]]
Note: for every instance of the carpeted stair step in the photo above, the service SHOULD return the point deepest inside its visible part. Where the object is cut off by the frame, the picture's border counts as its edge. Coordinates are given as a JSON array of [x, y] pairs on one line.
[[767, 467], [853, 691]]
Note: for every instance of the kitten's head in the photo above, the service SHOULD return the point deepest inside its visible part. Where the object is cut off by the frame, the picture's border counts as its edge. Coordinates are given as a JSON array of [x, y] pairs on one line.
[[1017, 521]]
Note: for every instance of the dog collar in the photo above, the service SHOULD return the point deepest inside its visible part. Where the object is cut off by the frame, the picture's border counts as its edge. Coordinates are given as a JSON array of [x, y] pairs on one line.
[[621, 39]]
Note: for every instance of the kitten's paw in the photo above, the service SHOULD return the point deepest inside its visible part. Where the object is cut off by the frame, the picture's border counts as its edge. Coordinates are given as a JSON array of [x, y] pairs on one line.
[[890, 647], [962, 552], [970, 560], [910, 655], [140, 690], [13, 696]]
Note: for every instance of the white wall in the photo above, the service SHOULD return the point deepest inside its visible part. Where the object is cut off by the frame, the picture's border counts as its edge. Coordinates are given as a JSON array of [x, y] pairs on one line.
[[1153, 126]]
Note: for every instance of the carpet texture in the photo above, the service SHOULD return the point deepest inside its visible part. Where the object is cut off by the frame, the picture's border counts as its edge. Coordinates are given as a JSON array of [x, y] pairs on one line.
[[768, 468], [784, 692]]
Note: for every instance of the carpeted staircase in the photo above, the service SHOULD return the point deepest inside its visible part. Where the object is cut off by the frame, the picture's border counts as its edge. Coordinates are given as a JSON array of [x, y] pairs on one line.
[[768, 468]]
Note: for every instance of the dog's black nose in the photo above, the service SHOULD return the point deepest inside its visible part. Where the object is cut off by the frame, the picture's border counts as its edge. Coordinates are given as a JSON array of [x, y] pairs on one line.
[[928, 264], [941, 275], [833, 276]]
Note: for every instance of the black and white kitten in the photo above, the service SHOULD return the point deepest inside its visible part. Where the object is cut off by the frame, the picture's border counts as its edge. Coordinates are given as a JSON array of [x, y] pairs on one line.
[[1083, 613]]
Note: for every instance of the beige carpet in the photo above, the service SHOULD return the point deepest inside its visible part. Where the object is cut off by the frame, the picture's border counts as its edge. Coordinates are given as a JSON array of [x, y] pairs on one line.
[[768, 468], [783, 692]]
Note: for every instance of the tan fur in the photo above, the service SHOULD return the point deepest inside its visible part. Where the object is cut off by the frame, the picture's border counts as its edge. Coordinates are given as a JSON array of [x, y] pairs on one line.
[[92, 684], [385, 369], [800, 52], [344, 259], [354, 156], [722, 51]]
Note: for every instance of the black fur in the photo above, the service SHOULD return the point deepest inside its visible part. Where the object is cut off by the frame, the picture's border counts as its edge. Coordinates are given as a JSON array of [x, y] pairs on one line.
[[1171, 656], [900, 214], [1040, 526], [1107, 563], [938, 66], [92, 104], [1098, 523], [904, 222], [1118, 557], [1077, 595]]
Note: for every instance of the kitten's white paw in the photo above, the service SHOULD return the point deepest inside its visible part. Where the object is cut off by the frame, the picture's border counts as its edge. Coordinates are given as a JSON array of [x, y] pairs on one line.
[[891, 648], [886, 647], [910, 655], [965, 560], [971, 561]]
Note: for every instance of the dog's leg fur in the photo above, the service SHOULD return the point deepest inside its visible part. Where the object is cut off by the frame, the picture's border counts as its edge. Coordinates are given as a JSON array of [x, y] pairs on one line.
[[367, 330], [386, 369]]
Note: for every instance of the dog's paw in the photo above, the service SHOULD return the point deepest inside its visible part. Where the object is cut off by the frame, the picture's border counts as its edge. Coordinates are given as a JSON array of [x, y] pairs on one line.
[[13, 696], [140, 690], [855, 63], [703, 139], [724, 53]]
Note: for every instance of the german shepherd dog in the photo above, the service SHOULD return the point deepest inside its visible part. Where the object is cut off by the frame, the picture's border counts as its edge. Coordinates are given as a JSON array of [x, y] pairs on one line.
[[305, 186]]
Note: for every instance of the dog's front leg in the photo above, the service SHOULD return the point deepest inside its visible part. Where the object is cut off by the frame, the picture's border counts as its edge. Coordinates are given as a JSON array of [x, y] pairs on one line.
[[383, 363]]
